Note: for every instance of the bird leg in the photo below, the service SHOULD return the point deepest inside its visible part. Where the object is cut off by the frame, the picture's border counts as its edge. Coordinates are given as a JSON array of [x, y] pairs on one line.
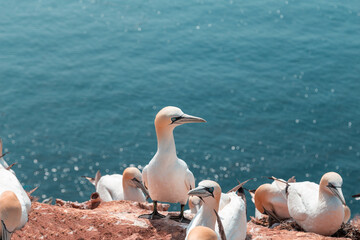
[[154, 215], [180, 218]]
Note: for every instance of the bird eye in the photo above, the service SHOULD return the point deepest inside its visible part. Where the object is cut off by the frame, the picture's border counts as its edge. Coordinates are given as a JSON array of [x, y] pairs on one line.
[[211, 189], [174, 119], [330, 185]]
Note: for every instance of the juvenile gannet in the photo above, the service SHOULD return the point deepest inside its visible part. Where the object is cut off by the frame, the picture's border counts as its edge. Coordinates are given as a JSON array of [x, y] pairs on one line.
[[202, 233], [167, 177], [233, 215], [14, 204], [270, 199], [318, 208], [128, 186]]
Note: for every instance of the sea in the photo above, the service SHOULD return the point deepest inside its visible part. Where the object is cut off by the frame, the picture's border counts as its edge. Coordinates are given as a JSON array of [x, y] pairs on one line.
[[277, 81]]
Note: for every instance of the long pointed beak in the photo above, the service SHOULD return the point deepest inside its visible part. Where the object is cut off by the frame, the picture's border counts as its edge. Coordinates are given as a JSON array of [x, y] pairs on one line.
[[189, 119], [140, 185], [338, 193], [200, 191], [6, 235]]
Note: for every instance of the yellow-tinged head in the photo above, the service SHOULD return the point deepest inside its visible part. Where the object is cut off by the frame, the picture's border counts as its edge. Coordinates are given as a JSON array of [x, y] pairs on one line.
[[331, 184], [170, 117], [132, 177], [261, 195], [209, 191], [202, 233]]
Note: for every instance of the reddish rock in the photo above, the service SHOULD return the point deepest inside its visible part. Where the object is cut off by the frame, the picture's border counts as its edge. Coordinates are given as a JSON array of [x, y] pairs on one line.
[[111, 220], [119, 220]]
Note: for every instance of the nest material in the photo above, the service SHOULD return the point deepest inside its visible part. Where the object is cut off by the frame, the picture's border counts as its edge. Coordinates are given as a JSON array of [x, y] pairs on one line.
[[349, 230]]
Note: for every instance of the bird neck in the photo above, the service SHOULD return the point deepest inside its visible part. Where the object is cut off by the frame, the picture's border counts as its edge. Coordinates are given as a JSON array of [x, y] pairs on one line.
[[166, 142], [207, 215], [132, 193], [324, 196]]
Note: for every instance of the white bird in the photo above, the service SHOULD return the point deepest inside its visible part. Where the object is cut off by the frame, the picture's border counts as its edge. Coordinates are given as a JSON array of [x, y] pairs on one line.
[[195, 202], [202, 233], [233, 215], [14, 204], [128, 186], [270, 199], [318, 208], [167, 177]]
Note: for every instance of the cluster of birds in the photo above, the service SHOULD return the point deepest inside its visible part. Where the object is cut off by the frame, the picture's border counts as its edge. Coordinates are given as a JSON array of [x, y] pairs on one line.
[[318, 208]]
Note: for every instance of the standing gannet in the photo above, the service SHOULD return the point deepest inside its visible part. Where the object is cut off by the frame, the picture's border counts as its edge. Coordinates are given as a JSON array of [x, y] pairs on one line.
[[14, 204], [128, 186], [318, 208], [233, 214], [167, 177]]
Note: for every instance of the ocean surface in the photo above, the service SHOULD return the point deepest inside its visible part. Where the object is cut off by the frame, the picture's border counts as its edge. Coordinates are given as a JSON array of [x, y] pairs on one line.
[[277, 81]]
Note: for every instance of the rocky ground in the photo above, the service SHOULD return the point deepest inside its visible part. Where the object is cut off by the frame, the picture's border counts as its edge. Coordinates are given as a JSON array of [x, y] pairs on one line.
[[119, 220]]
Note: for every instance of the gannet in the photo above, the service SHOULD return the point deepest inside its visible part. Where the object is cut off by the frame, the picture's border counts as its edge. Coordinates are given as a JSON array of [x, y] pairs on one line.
[[202, 233], [128, 186], [195, 202], [167, 177], [14, 204], [233, 215], [318, 208], [270, 199]]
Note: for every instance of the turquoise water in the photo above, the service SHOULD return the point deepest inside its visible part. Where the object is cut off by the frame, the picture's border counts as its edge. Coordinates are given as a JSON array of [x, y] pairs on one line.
[[278, 83]]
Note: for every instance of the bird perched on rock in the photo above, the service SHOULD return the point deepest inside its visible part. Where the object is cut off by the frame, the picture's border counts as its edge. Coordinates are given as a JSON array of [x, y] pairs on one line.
[[233, 214], [128, 186], [167, 177], [318, 208]]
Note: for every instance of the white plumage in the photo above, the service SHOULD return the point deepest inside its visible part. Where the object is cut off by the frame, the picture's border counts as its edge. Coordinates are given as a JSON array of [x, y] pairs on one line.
[[9, 182], [318, 208], [232, 214], [120, 187]]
